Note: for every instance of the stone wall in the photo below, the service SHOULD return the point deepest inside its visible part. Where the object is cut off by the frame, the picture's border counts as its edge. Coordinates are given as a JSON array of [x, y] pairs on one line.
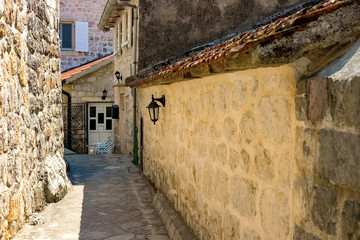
[[100, 43], [123, 127], [170, 27], [222, 152], [326, 188], [123, 60], [89, 88], [258, 154], [32, 169]]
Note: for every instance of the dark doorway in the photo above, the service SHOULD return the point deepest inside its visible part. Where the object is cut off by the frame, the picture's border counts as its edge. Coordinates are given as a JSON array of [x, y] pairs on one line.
[[141, 143]]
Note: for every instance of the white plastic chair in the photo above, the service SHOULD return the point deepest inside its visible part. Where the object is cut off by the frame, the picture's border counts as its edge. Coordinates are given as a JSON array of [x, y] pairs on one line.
[[106, 148]]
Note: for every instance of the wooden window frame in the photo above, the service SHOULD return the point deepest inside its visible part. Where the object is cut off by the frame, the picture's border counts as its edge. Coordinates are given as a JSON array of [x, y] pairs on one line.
[[72, 36]]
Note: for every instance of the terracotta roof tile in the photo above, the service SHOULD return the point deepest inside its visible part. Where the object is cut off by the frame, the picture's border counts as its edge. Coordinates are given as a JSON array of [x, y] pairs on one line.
[[71, 72], [243, 42]]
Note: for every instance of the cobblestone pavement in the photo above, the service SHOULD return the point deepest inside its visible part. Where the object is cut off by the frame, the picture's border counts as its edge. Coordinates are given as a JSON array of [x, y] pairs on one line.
[[109, 200]]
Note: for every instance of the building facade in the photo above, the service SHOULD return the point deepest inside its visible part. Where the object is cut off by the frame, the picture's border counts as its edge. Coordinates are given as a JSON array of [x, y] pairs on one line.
[[87, 72], [166, 30], [82, 41], [88, 96], [32, 168], [258, 135]]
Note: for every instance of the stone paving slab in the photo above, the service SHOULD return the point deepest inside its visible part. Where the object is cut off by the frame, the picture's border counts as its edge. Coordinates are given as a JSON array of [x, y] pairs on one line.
[[109, 200]]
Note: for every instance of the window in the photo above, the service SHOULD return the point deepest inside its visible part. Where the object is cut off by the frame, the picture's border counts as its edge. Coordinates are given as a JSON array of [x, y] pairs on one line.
[[108, 124], [108, 112], [124, 34], [101, 118], [125, 26], [116, 38], [74, 36], [119, 25], [130, 25], [92, 124], [92, 111], [66, 36]]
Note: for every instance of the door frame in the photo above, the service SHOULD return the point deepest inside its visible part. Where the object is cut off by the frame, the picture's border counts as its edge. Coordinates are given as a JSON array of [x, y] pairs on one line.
[[88, 116]]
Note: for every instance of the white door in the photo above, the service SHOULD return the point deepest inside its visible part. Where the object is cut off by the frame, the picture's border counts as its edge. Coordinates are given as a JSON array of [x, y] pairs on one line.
[[99, 122]]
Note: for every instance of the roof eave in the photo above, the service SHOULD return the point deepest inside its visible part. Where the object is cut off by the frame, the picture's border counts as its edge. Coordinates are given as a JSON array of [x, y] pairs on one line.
[[253, 53], [112, 10], [92, 69]]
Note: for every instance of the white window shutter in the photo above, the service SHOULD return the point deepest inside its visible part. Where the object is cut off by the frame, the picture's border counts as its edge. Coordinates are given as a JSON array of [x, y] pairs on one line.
[[82, 36], [129, 18], [119, 39], [123, 29], [116, 38]]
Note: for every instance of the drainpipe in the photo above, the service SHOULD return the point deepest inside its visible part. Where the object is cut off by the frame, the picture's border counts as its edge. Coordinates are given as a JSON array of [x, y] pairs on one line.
[[134, 72], [135, 97], [68, 118]]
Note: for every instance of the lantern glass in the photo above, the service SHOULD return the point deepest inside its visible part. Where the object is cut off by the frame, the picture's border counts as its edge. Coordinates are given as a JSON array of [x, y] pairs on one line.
[[153, 111], [154, 114]]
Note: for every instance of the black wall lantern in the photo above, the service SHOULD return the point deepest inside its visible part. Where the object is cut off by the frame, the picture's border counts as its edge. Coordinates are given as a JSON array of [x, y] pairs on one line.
[[104, 95], [154, 107], [118, 76]]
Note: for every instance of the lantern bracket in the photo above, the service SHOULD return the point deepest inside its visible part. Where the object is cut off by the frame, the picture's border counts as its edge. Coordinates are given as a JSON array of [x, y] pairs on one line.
[[161, 100]]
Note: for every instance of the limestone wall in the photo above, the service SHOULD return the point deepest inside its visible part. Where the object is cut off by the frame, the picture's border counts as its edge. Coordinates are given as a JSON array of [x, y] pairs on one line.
[[32, 169], [222, 149], [100, 43], [258, 154], [123, 127], [90, 87], [123, 62], [326, 186]]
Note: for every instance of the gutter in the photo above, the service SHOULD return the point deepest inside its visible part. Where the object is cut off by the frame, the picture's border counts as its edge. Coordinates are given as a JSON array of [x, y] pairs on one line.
[[109, 7], [68, 117]]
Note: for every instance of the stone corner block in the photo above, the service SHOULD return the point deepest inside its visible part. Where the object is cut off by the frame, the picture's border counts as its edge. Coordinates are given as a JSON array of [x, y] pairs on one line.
[[339, 155], [344, 101], [318, 98], [324, 209], [350, 220]]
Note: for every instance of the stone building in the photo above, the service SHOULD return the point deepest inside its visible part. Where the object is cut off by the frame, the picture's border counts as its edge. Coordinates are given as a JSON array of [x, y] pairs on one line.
[[82, 41], [259, 133], [87, 71], [166, 29], [84, 100], [32, 169], [259, 137]]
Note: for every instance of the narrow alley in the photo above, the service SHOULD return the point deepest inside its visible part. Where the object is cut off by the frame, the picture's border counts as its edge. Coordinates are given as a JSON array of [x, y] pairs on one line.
[[109, 200], [242, 119]]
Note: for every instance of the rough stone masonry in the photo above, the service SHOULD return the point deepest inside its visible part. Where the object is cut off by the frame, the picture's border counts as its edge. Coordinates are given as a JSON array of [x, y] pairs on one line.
[[32, 170]]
